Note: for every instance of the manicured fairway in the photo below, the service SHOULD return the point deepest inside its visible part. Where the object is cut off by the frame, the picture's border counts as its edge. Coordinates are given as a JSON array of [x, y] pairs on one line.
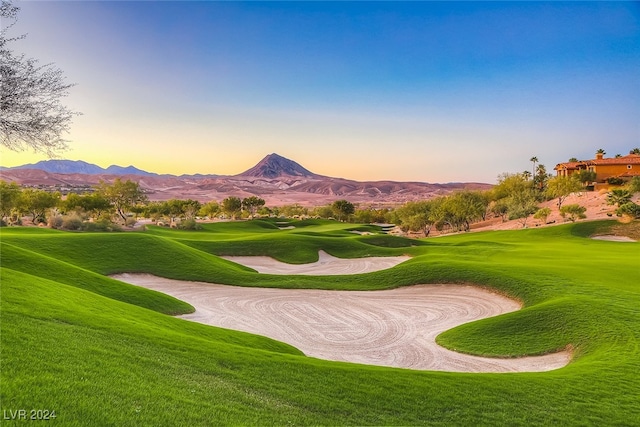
[[101, 352]]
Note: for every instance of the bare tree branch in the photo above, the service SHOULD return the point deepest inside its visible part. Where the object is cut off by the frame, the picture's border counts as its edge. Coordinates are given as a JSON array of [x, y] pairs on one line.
[[31, 115]]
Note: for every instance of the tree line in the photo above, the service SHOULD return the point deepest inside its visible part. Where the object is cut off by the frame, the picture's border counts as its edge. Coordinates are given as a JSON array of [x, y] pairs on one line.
[[121, 203]]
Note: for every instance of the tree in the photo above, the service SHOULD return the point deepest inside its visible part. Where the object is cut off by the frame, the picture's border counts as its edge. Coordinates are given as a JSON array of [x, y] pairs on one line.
[[573, 212], [122, 195], [542, 214], [586, 176], [534, 160], [210, 209], [514, 197], [9, 198], [601, 151], [91, 204], [416, 216], [320, 212], [232, 206], [297, 211], [561, 187], [499, 208], [510, 184], [31, 115], [573, 159], [251, 204], [37, 202], [522, 204], [465, 207], [190, 208], [96, 204], [342, 209], [541, 178], [634, 151], [371, 215], [634, 185]]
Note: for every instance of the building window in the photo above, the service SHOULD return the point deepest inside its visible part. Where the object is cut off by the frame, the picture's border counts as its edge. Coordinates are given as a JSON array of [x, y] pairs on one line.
[[629, 166]]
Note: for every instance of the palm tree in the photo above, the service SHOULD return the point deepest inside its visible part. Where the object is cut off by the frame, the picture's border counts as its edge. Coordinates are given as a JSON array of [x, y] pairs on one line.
[[635, 151], [601, 151], [526, 175], [534, 160], [540, 178]]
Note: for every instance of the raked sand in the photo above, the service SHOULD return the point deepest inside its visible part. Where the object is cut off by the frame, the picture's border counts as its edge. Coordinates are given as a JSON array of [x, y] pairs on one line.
[[326, 264], [394, 327]]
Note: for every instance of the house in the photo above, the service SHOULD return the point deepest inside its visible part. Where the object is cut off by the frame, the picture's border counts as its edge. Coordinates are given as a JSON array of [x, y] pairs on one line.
[[623, 167]]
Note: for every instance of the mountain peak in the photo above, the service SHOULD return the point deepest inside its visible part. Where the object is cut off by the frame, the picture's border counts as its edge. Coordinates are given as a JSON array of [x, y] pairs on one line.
[[274, 166]]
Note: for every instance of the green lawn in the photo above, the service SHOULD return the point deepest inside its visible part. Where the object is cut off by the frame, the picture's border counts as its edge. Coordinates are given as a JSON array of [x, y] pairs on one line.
[[101, 352]]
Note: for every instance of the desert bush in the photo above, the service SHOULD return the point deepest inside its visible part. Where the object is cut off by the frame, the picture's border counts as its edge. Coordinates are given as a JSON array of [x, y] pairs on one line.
[[634, 185], [573, 212], [55, 221], [101, 225], [189, 224], [629, 209], [618, 196], [130, 222], [614, 180], [71, 222], [542, 214]]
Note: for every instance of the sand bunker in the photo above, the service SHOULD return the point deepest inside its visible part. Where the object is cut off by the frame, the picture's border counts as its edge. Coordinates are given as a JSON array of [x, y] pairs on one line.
[[325, 266], [613, 238], [388, 328]]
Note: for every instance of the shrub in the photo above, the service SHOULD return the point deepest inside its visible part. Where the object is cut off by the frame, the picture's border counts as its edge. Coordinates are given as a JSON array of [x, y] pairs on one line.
[[618, 196], [634, 185], [542, 214], [629, 209], [585, 176], [573, 212], [71, 222], [55, 221], [614, 180], [189, 224], [101, 225]]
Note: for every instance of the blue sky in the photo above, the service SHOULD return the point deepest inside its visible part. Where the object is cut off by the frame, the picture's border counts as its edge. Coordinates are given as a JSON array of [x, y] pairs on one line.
[[423, 91]]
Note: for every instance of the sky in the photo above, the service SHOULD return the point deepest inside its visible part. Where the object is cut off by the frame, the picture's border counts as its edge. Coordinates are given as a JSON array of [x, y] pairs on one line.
[[405, 91]]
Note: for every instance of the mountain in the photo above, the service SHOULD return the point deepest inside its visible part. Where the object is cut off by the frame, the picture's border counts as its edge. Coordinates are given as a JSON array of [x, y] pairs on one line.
[[62, 166], [129, 170], [275, 166], [80, 167], [276, 179]]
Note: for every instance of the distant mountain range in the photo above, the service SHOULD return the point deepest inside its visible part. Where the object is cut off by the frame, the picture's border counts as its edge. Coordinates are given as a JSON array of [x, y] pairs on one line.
[[79, 166], [276, 179]]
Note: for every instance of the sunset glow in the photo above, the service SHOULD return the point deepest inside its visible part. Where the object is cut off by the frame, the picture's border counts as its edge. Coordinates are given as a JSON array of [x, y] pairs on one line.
[[422, 91]]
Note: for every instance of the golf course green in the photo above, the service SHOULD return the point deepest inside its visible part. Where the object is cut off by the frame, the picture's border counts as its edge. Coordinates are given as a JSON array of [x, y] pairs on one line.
[[92, 350]]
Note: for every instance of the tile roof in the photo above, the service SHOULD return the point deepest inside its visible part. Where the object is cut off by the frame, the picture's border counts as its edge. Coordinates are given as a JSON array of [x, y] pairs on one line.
[[629, 159]]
